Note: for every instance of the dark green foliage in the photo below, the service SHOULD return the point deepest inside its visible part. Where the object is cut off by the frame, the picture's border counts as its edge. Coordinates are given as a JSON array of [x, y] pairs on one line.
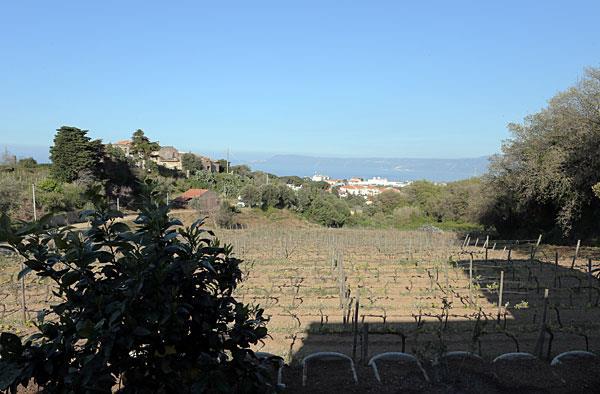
[[543, 180], [251, 196], [389, 200], [190, 162], [27, 162], [322, 207], [225, 216], [223, 165], [328, 211], [277, 196], [242, 170], [120, 178], [142, 147], [55, 196], [73, 154], [152, 306]]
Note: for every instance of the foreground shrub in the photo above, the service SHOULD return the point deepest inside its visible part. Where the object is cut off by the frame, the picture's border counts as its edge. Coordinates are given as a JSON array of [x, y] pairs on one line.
[[149, 309]]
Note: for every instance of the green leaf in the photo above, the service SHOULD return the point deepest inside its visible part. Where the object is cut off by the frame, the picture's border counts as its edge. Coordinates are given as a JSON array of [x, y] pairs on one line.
[[70, 277], [141, 331], [9, 373], [120, 227], [10, 346], [23, 272]]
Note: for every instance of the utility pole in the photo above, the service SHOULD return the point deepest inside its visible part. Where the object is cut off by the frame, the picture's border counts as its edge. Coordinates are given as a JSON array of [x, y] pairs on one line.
[[33, 195], [227, 162]]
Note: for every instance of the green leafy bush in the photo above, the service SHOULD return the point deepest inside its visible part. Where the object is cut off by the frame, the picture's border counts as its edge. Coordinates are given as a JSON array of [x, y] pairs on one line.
[[149, 309], [225, 216]]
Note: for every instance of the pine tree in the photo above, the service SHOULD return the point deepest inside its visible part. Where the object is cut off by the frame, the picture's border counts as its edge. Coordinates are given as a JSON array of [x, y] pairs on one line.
[[143, 147], [73, 153]]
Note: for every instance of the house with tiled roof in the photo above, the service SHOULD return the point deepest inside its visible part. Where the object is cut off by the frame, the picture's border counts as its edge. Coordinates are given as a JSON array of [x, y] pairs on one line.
[[169, 157]]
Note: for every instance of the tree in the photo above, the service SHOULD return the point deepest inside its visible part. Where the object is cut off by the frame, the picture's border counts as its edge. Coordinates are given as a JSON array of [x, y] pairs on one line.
[[543, 180], [328, 211], [27, 162], [225, 216], [242, 170], [151, 306], [73, 152], [142, 147], [389, 200], [190, 162], [121, 181], [277, 196], [223, 165], [55, 196], [251, 196], [203, 180]]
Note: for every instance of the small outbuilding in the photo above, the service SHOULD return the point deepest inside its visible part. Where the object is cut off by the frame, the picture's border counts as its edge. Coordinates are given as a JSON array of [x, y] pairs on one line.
[[202, 200]]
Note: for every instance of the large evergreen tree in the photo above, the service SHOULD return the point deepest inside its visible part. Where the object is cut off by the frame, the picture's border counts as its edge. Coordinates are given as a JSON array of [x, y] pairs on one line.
[[142, 147], [73, 153]]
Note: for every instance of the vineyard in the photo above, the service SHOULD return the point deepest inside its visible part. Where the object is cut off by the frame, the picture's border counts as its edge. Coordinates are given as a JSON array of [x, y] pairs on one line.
[[427, 292], [365, 292]]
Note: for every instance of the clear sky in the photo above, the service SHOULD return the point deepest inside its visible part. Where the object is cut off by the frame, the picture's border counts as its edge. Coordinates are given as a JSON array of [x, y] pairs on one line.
[[336, 78]]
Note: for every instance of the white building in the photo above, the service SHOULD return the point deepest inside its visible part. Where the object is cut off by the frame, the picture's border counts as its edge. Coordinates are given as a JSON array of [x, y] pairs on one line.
[[319, 178], [378, 181], [293, 187], [360, 190]]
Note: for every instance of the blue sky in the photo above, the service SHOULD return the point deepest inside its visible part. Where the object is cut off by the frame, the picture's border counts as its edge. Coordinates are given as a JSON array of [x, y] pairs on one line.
[[335, 78]]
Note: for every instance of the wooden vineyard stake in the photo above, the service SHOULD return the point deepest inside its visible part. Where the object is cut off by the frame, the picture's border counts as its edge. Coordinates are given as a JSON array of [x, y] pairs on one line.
[[576, 253], [23, 298], [355, 327], [539, 347], [500, 293], [555, 269], [471, 278], [365, 343], [590, 280], [537, 245]]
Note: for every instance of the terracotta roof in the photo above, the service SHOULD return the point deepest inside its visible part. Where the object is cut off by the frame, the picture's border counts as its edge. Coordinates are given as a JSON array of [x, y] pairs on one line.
[[193, 193], [123, 142]]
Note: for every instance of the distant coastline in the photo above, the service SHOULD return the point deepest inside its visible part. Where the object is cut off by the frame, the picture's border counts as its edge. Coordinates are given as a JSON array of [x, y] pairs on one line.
[[395, 169]]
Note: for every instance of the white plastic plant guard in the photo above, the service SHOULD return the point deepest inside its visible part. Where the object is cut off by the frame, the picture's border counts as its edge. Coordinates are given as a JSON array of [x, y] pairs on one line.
[[459, 354], [327, 356], [398, 356], [574, 356], [515, 356]]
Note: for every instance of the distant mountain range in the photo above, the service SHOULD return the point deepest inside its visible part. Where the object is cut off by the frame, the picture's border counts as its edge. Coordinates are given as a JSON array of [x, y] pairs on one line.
[[398, 169], [401, 169]]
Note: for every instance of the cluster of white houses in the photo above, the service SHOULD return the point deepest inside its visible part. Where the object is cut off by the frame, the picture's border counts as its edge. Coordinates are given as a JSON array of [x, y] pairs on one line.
[[169, 157], [360, 187]]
